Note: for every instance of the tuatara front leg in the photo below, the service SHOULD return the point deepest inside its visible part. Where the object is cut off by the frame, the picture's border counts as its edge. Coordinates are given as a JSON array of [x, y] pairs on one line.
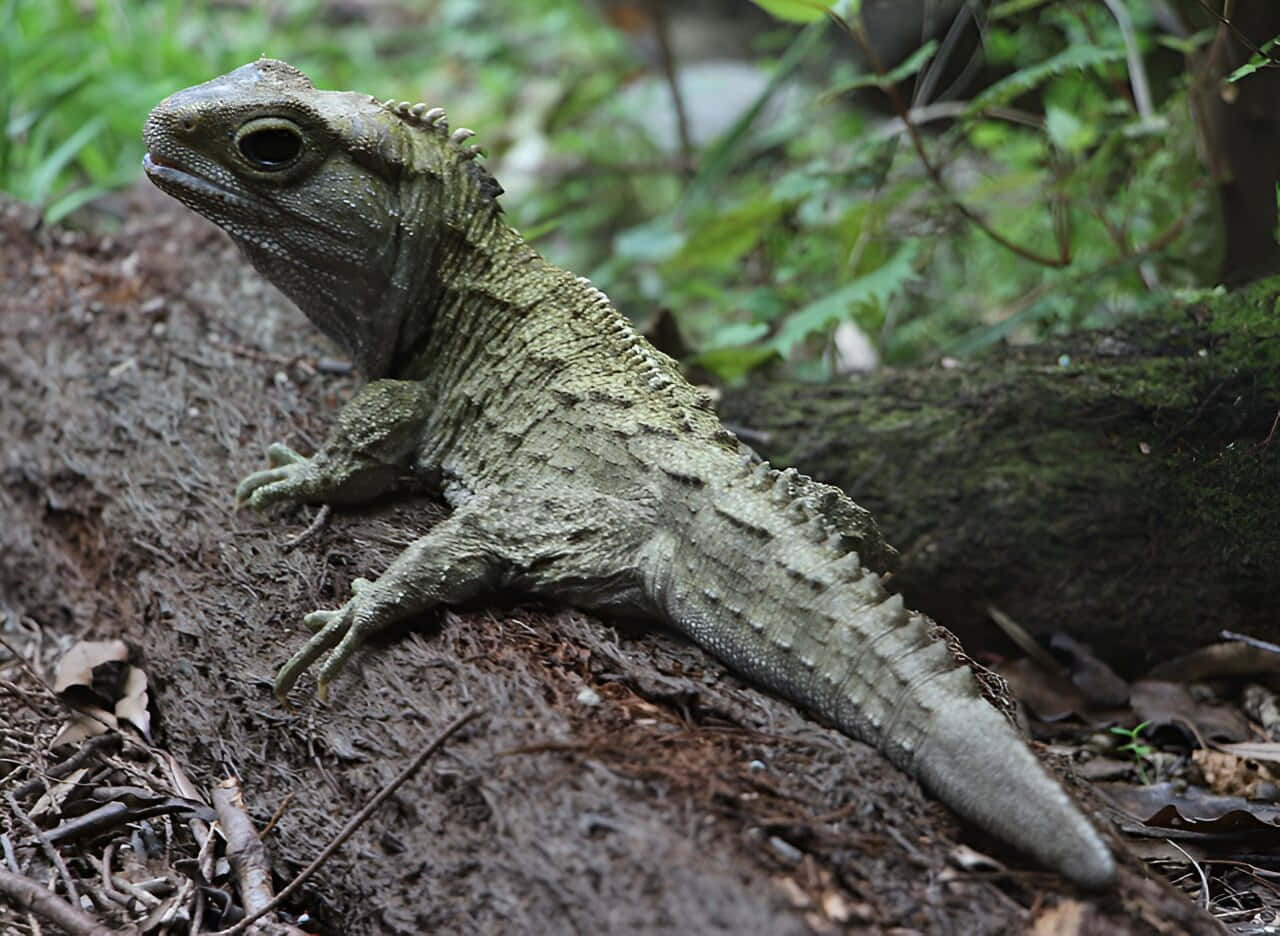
[[453, 562], [371, 446]]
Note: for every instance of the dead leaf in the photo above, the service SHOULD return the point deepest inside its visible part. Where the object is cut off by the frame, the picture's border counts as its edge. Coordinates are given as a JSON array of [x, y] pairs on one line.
[[1101, 687], [89, 723], [77, 664], [1171, 704], [1261, 704], [969, 859], [1104, 768], [1228, 774], [1215, 660], [1049, 696], [1194, 809], [1268, 751], [133, 702], [94, 678]]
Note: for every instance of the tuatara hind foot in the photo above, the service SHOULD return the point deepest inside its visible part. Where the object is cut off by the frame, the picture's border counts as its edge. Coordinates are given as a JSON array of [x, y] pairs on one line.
[[338, 633]]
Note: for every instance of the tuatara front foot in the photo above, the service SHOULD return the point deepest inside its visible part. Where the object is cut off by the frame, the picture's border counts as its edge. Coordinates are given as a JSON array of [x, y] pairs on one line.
[[288, 480]]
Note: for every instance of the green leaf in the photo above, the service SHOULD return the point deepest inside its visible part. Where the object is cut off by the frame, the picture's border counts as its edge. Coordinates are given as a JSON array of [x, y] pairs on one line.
[[733, 364], [1067, 131], [43, 178], [1260, 60], [1023, 80], [736, 334], [649, 243], [1010, 7], [913, 63], [876, 287], [794, 11], [721, 242]]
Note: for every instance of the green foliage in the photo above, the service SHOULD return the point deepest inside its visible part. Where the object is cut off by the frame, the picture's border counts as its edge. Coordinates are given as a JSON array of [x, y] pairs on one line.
[[1261, 59], [1134, 746], [795, 11], [77, 78]]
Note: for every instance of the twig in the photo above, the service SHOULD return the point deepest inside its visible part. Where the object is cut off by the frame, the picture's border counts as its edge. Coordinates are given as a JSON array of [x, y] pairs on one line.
[[1028, 644], [245, 850], [88, 749], [320, 519], [26, 894], [1272, 434], [929, 78], [1225, 19], [662, 32], [1249, 641], [275, 816], [1137, 72], [354, 823], [46, 846], [948, 110], [1204, 878]]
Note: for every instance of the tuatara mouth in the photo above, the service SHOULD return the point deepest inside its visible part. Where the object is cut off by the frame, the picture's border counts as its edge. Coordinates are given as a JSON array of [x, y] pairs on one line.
[[151, 160], [185, 185]]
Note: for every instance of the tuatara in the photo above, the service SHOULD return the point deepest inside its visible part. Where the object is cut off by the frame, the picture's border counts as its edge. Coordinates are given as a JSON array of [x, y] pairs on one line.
[[579, 464]]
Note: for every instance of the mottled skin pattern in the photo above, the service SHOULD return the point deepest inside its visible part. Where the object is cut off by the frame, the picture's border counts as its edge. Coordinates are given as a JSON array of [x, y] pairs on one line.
[[578, 462]]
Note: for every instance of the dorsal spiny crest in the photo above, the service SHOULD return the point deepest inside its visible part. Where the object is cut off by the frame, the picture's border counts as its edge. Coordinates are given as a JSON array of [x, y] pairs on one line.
[[419, 115], [434, 119], [762, 476]]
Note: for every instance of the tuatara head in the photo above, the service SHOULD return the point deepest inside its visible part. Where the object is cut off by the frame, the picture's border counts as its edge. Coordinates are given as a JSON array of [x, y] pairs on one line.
[[348, 205]]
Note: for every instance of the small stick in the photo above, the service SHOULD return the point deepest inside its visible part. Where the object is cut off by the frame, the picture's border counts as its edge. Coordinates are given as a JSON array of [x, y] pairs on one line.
[[245, 850], [1248, 641], [46, 846], [321, 517]]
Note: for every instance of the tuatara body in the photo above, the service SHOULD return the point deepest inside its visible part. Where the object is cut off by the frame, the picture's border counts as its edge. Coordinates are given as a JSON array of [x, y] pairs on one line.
[[579, 464]]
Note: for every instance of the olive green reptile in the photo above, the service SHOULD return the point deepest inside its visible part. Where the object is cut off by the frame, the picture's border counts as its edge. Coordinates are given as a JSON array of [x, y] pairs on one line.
[[579, 464]]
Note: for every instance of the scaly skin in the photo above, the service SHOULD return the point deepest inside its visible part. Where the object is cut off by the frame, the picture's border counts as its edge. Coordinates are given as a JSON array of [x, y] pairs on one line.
[[578, 462]]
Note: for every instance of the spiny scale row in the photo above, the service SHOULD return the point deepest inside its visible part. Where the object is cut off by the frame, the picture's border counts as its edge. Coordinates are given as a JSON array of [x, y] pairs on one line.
[[788, 489], [433, 118], [636, 347]]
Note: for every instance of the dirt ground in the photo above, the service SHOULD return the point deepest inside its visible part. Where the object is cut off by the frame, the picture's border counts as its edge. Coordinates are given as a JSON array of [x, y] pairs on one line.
[[618, 779]]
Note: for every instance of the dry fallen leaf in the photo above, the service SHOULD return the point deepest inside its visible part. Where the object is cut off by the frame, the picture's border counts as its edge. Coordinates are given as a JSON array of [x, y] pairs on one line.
[[1228, 774], [77, 664], [1215, 660], [1172, 704], [95, 679]]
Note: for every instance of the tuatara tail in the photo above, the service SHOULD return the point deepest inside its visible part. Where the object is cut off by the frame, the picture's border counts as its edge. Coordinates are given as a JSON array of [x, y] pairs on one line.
[[764, 579]]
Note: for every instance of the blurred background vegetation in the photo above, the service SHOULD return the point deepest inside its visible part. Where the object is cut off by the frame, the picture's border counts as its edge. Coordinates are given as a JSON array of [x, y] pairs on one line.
[[912, 180]]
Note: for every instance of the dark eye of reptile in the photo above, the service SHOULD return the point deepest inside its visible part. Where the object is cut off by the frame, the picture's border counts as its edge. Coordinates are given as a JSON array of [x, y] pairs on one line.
[[271, 148]]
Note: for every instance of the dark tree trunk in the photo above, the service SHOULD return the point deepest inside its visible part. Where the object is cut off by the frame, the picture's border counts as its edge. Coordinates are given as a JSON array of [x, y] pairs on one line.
[[1239, 129]]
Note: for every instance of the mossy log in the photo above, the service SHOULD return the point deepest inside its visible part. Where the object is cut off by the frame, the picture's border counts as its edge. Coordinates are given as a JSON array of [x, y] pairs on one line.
[[1119, 486]]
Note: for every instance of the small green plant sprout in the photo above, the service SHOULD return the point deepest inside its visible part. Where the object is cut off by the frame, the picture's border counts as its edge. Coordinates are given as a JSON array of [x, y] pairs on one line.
[[1135, 746]]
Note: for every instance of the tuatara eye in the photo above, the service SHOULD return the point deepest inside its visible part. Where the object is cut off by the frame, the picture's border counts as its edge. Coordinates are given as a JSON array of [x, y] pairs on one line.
[[270, 148]]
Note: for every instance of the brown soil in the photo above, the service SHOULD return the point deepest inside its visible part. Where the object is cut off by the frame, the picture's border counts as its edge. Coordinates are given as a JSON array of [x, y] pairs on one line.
[[144, 373]]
